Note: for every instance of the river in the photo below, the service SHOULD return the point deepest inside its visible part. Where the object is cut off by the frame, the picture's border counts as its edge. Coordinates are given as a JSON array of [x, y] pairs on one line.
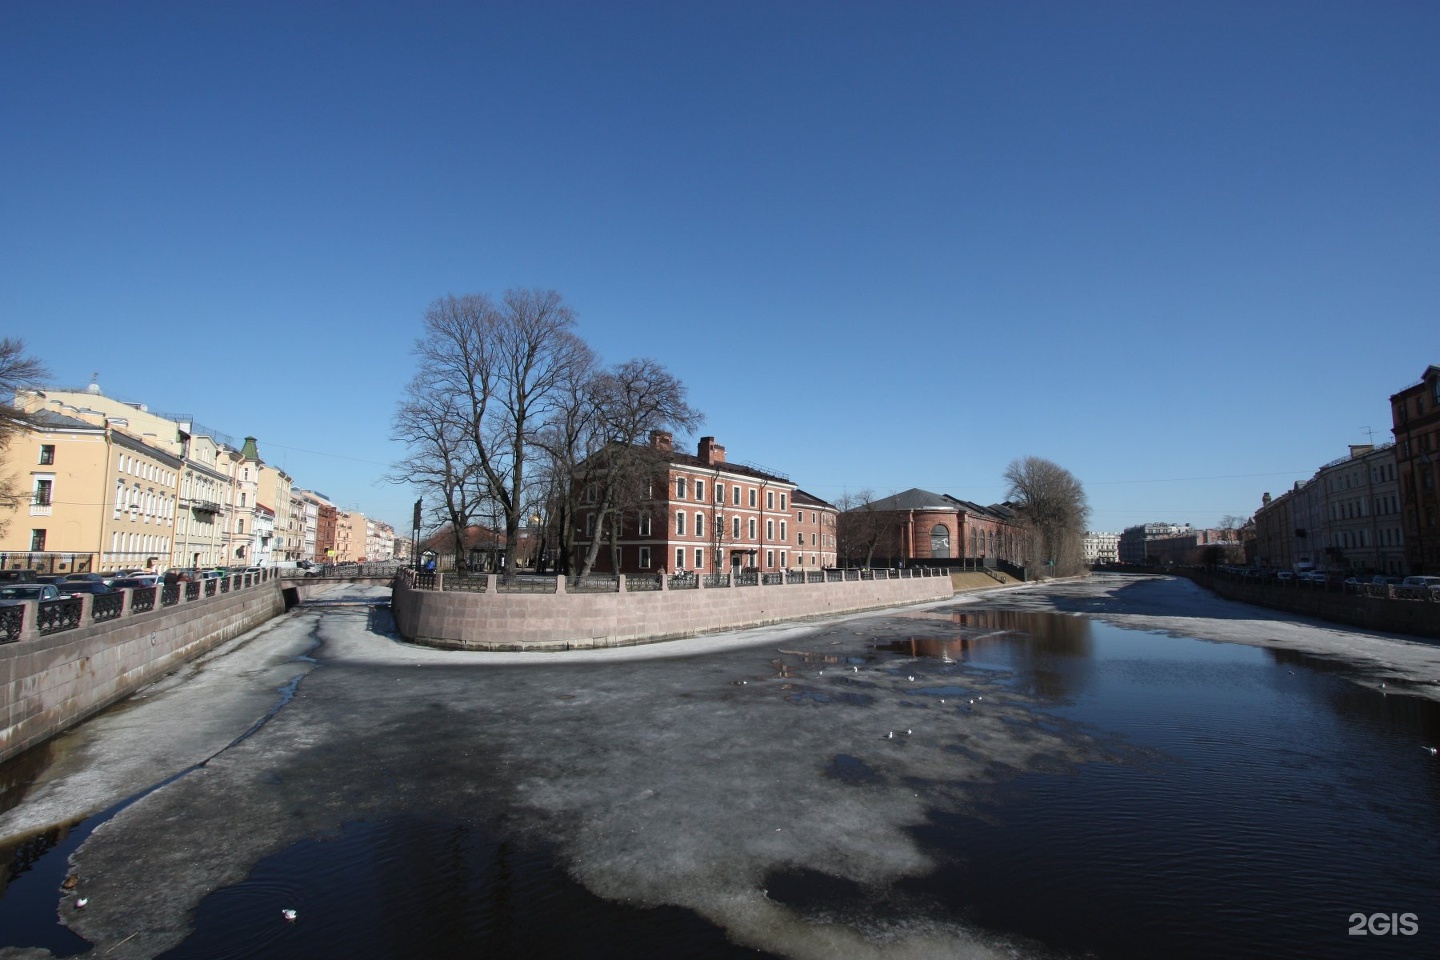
[[1115, 768]]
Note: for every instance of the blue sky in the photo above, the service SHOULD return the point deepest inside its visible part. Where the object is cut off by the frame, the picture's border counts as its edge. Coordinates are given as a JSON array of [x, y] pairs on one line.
[[1185, 250]]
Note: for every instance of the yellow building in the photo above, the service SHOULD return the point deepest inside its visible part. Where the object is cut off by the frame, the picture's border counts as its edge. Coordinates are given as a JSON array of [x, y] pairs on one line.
[[100, 499]]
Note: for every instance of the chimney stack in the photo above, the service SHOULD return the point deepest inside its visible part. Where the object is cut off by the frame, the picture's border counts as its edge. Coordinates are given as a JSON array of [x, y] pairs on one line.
[[711, 452]]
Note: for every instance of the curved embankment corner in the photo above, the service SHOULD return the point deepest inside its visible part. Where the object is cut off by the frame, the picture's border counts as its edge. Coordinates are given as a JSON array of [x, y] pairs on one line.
[[491, 620]]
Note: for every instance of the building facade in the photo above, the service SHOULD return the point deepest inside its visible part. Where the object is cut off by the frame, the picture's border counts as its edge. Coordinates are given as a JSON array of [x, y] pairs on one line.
[[704, 514], [1415, 415], [1101, 548]]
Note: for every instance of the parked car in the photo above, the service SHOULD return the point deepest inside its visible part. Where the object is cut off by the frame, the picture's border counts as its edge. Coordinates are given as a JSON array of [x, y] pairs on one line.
[[78, 577], [75, 588], [132, 583], [1419, 587], [13, 593], [18, 576], [1382, 581]]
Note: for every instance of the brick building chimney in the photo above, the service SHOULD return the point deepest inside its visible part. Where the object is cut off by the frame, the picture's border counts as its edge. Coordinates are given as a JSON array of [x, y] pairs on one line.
[[662, 441], [711, 452]]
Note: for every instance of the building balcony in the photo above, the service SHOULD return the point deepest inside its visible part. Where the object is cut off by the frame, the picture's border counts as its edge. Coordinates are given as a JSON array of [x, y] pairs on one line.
[[204, 506]]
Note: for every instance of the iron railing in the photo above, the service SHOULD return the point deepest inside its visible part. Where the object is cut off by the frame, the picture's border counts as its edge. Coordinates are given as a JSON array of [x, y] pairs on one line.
[[58, 615], [142, 599], [12, 622], [650, 583], [107, 606]]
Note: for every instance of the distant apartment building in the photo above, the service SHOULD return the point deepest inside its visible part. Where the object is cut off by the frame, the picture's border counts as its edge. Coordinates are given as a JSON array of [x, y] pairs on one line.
[[1133, 545], [99, 499], [1415, 415], [1101, 548], [1275, 531]]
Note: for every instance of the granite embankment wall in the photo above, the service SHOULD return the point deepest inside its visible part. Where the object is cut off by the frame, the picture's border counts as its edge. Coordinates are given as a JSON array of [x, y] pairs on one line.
[[1419, 618], [53, 681], [560, 620]]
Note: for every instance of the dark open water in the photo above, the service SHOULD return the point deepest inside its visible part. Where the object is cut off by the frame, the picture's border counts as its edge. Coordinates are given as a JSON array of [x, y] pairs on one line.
[[1273, 807]]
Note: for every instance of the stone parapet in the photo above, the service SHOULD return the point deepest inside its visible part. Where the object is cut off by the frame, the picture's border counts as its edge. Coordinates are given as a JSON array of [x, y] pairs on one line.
[[53, 681], [562, 620]]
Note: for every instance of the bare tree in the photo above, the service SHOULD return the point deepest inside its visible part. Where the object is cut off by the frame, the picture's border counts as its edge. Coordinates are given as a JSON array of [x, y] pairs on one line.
[[859, 527], [1053, 505], [631, 401], [505, 365], [16, 371], [431, 425]]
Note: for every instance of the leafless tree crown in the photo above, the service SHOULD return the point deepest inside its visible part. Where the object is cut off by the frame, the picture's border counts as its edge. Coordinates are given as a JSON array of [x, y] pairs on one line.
[[1052, 503]]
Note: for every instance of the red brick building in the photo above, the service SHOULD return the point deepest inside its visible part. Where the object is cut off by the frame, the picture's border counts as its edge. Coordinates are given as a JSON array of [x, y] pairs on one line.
[[919, 525], [708, 515]]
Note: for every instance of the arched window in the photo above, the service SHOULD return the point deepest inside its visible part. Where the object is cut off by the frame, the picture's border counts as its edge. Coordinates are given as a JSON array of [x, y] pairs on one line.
[[940, 542]]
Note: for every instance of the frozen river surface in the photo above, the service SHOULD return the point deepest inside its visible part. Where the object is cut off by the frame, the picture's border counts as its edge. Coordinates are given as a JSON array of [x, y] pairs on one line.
[[1113, 768]]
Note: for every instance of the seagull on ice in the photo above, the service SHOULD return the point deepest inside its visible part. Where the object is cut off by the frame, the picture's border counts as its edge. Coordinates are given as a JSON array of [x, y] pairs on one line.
[[1431, 750], [288, 915], [890, 735]]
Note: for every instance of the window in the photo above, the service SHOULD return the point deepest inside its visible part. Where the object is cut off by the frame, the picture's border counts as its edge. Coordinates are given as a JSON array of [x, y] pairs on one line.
[[752, 525], [799, 516], [784, 530], [699, 559], [645, 525], [784, 558], [940, 542], [679, 524], [735, 528], [769, 499], [242, 499], [782, 507], [679, 488], [239, 526], [644, 558], [47, 454], [736, 499], [37, 540], [719, 493], [769, 559], [679, 558], [800, 539], [589, 524], [769, 529], [752, 496], [699, 524], [43, 488], [699, 489]]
